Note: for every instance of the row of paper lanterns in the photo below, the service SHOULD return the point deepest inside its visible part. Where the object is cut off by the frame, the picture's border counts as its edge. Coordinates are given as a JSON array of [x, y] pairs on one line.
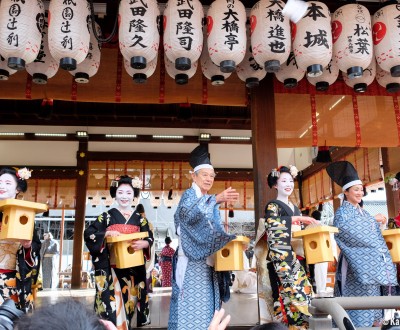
[[317, 45]]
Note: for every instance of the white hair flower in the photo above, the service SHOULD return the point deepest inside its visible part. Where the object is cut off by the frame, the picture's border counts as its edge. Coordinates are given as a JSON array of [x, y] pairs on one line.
[[136, 182], [293, 171], [24, 173]]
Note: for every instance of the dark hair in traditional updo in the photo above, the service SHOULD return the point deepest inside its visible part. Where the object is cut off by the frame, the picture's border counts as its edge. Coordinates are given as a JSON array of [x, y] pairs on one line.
[[272, 180], [22, 186], [123, 179], [140, 208], [168, 240]]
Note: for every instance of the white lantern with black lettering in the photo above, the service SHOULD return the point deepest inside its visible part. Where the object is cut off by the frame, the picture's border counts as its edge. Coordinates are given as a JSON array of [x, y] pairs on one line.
[[5, 71], [312, 42], [270, 34], [21, 24], [180, 77], [226, 31], [352, 39], [249, 70], [69, 34], [327, 78], [139, 38], [386, 80], [386, 38], [140, 76], [89, 67], [44, 66], [361, 84], [183, 32], [290, 73]]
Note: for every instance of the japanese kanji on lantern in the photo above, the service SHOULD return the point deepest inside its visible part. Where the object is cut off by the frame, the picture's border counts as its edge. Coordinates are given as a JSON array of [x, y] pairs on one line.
[[69, 34], [183, 33], [270, 34], [386, 38], [44, 66], [90, 65], [387, 81], [361, 84], [226, 31], [180, 77], [5, 71], [312, 42], [327, 78], [139, 38], [290, 73], [249, 70], [140, 76], [21, 24], [352, 39]]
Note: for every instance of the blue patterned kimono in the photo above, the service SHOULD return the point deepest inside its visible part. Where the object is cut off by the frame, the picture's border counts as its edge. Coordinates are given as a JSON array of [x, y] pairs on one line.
[[195, 298], [364, 265]]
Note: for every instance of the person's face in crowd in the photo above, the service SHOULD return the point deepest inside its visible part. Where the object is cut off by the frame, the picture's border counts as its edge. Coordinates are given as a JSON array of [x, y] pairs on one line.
[[354, 194], [124, 196], [46, 236], [8, 186], [285, 184], [204, 178]]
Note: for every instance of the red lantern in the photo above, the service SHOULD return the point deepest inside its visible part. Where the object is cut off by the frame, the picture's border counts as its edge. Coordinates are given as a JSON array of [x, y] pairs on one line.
[[180, 77], [360, 84], [140, 76], [386, 80], [328, 77], [312, 44], [352, 39], [270, 34], [290, 74]]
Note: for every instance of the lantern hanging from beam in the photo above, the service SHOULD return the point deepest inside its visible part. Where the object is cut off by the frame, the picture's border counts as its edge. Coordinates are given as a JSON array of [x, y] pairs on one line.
[[328, 77], [290, 73], [386, 38], [386, 80], [183, 33], [140, 76], [5, 71], [139, 38], [352, 39], [69, 35], [180, 77], [21, 24], [89, 67], [226, 31], [312, 42], [44, 66], [361, 84], [270, 34]]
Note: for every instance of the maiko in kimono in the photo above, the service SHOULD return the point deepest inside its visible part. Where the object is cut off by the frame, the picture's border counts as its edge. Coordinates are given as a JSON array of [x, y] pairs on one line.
[[120, 292]]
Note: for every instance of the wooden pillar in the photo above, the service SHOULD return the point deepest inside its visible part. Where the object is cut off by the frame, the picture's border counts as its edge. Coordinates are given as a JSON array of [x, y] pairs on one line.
[[265, 155], [80, 208], [390, 196]]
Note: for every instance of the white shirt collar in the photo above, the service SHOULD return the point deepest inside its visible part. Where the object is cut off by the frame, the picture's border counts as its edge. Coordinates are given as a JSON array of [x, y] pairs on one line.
[[197, 190]]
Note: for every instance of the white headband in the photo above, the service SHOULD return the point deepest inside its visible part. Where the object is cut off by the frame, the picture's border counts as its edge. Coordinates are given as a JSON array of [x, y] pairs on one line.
[[350, 184], [201, 166]]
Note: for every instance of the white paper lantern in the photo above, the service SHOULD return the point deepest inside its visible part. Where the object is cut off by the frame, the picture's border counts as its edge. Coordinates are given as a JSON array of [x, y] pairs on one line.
[[386, 38], [139, 38], [386, 80], [180, 77], [21, 24], [183, 33], [352, 39], [249, 70], [290, 73], [226, 30], [312, 42], [5, 71], [69, 34], [270, 34], [140, 76], [360, 85], [327, 78], [89, 67], [44, 66]]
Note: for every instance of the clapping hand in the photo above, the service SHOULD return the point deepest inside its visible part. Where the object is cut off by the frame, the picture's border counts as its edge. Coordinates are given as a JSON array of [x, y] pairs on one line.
[[380, 218], [229, 195], [217, 323]]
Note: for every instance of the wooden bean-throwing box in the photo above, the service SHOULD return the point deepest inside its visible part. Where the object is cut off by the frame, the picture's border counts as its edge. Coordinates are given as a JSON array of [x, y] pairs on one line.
[[19, 219], [392, 238], [317, 243], [125, 255], [230, 257]]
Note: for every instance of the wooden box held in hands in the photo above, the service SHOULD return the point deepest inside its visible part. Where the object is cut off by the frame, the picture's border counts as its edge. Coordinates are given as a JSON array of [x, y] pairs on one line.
[[125, 255], [392, 238], [19, 219], [230, 257]]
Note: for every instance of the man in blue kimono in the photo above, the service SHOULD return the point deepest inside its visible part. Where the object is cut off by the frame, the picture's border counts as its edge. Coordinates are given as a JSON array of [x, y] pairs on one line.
[[195, 285]]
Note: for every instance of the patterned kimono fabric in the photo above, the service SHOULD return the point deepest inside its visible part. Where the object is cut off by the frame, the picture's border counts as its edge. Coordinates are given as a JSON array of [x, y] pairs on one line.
[[201, 235], [291, 288], [118, 291], [49, 255], [364, 265], [19, 269], [166, 265]]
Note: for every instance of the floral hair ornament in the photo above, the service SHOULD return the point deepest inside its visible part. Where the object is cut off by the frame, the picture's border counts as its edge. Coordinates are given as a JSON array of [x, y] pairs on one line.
[[136, 182], [393, 181], [275, 173], [23, 173], [293, 171]]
